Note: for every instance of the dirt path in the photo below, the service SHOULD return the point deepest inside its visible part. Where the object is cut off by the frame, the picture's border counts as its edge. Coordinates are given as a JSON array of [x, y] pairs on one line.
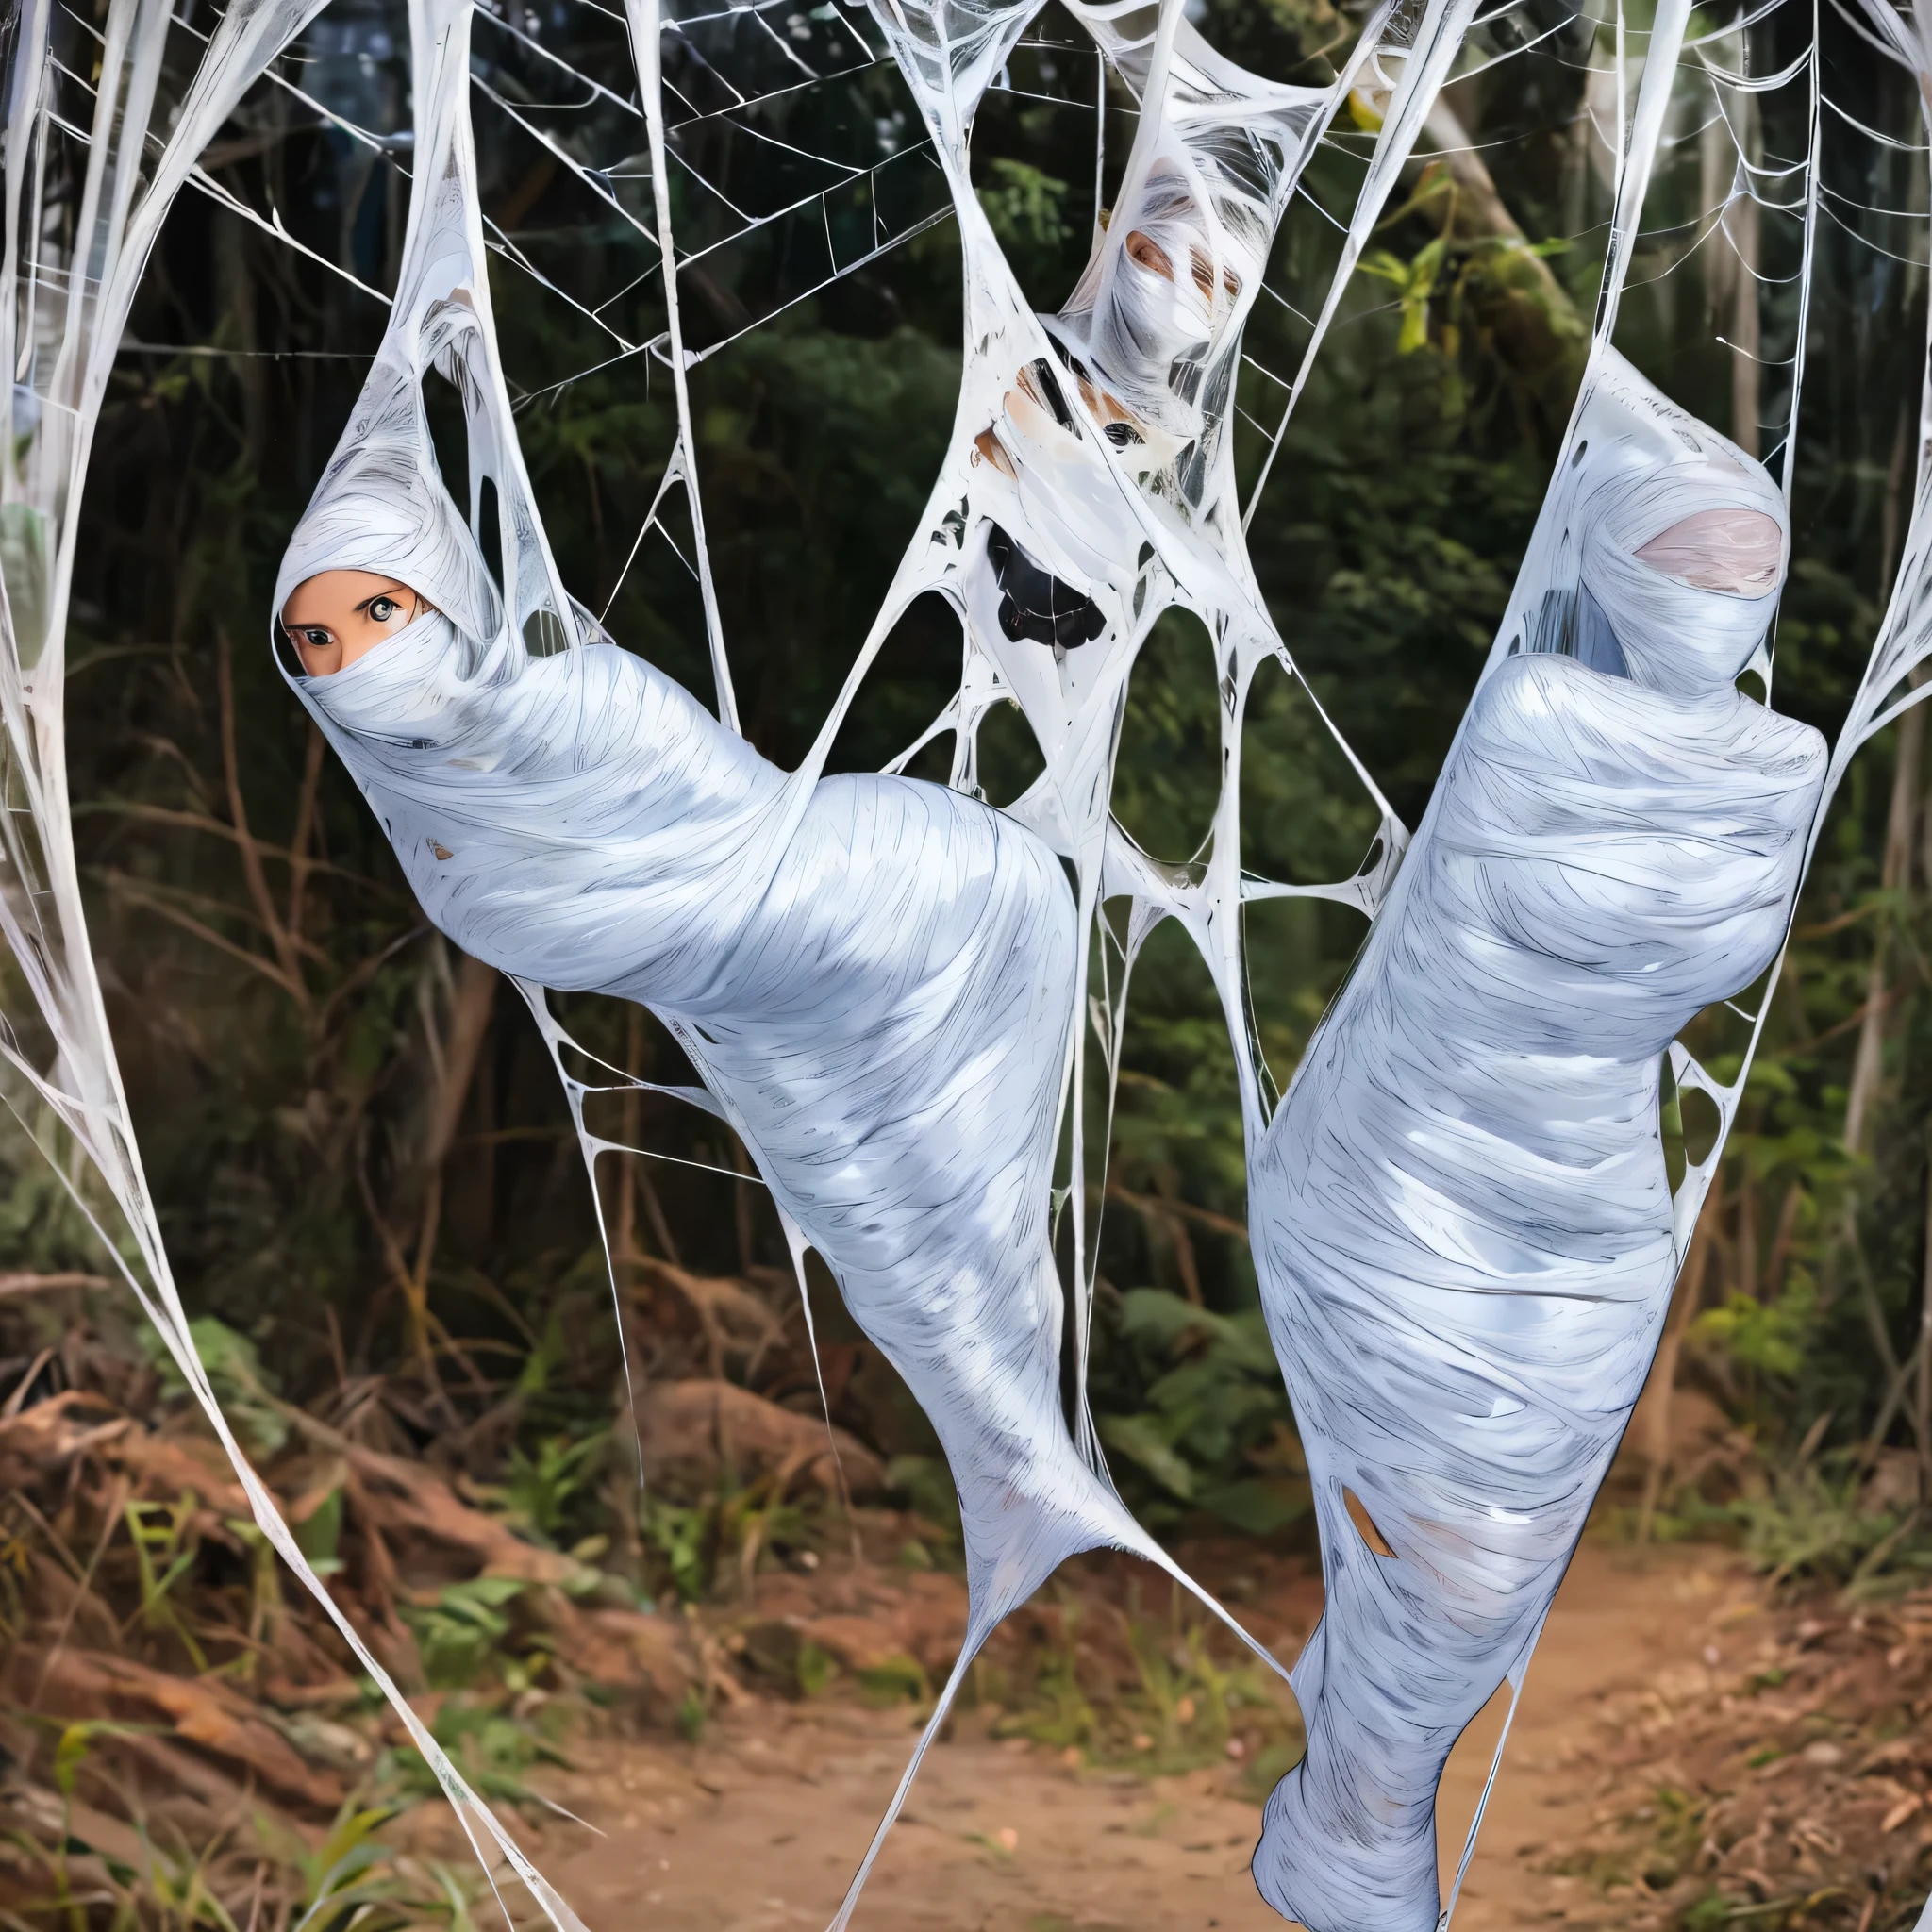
[[758, 1828], [1623, 1616]]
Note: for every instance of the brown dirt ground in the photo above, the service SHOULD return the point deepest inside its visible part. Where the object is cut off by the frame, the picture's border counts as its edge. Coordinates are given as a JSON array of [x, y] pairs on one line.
[[758, 1827]]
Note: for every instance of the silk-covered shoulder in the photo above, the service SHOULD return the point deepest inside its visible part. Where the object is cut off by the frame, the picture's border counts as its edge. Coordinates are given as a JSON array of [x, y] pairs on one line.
[[1597, 717], [1563, 725]]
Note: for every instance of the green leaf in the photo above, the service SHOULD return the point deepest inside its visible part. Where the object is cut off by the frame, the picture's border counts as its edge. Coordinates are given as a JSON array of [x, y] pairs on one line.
[[1140, 1439], [1259, 1506]]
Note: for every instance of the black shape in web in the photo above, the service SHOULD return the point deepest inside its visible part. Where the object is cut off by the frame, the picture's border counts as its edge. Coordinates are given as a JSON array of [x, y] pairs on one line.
[[1035, 606]]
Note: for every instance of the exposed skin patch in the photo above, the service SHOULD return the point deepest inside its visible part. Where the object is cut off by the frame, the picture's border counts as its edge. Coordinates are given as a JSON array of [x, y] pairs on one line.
[[1365, 1523], [341, 615], [1150, 253], [1740, 551], [988, 446]]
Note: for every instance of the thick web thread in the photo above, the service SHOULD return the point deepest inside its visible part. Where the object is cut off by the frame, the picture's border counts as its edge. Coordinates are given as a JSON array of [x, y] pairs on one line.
[[60, 327]]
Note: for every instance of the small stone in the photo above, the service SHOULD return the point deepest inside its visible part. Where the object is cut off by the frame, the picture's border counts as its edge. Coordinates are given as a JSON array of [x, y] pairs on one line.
[[1235, 1748], [1823, 1754], [1007, 1839]]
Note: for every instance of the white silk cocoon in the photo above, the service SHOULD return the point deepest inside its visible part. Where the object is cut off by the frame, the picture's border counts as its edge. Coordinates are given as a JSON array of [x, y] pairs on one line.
[[876, 976], [876, 986], [1461, 1213]]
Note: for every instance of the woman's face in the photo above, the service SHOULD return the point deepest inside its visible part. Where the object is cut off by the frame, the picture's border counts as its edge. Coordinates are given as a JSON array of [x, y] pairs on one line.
[[343, 614]]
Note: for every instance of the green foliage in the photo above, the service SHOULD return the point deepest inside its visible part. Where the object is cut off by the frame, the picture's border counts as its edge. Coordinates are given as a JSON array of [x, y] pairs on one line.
[[245, 1389], [684, 1537], [466, 1630], [1214, 1431], [42, 1227], [815, 1669], [164, 1552], [351, 1878], [493, 1748], [924, 1483], [1184, 1710], [1027, 211], [1811, 1525], [546, 1486], [1770, 1336], [894, 1680], [700, 1545], [693, 1713]]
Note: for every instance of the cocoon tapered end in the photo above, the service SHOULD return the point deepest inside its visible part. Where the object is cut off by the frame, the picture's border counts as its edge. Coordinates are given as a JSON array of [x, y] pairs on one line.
[[1355, 1872]]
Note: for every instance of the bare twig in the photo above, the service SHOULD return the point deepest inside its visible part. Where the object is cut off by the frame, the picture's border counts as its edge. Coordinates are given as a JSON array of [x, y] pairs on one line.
[[1901, 824], [1201, 1217], [35, 1284], [300, 863], [135, 895], [654, 1211], [363, 971], [279, 935], [117, 1502], [14, 1401], [470, 1009], [171, 815], [1684, 1306], [414, 1294]]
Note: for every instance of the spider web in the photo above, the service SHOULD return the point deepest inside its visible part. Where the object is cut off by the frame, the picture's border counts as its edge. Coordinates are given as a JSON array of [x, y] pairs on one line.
[[771, 150]]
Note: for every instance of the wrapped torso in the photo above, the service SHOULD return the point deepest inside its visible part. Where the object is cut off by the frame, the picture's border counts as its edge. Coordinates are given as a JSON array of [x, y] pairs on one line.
[[1462, 1221], [1478, 1114], [872, 973]]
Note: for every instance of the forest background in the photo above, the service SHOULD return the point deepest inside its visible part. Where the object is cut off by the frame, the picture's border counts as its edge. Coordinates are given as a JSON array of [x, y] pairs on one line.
[[371, 1187]]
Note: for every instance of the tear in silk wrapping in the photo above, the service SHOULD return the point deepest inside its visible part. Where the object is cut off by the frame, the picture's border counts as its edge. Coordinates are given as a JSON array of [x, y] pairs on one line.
[[1461, 1218]]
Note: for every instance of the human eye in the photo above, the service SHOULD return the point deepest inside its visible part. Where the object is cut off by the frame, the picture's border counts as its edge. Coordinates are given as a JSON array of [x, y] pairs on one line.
[[383, 608], [315, 637], [1150, 253]]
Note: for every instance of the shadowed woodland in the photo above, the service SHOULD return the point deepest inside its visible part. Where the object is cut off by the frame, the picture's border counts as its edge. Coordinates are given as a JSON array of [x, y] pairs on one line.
[[375, 1198]]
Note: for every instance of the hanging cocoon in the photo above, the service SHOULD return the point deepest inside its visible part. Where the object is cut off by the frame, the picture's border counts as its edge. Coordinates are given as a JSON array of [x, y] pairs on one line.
[[874, 975], [1462, 1221]]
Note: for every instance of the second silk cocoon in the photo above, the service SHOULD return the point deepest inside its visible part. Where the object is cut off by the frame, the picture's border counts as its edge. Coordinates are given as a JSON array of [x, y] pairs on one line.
[[1461, 1217]]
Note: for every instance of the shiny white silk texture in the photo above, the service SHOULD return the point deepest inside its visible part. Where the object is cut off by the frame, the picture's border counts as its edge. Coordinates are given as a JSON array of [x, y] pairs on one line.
[[1461, 1218], [565, 818], [873, 974], [875, 977], [877, 993]]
